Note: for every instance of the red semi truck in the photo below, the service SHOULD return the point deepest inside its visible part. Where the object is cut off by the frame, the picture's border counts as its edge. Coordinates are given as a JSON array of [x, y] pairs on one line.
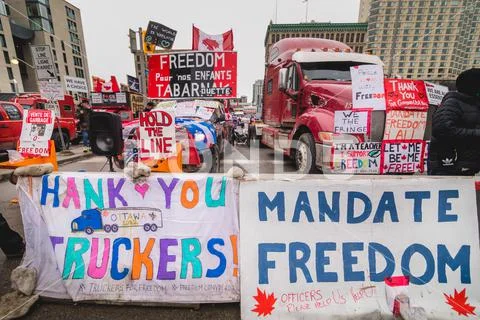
[[306, 80]]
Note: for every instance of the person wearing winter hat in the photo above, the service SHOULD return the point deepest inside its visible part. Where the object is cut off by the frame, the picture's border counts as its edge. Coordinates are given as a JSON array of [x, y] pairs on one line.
[[455, 144]]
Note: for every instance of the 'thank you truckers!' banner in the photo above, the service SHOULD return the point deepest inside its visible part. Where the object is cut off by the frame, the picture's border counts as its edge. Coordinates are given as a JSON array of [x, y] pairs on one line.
[[101, 237], [324, 249], [192, 74]]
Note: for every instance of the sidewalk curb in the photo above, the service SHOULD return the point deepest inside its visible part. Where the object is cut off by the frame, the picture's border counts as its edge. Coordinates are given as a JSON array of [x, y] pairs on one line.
[[5, 174]]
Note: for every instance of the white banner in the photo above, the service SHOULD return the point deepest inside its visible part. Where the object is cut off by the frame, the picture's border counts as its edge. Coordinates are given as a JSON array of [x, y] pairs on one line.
[[95, 236], [76, 84], [368, 87], [37, 129], [336, 249]]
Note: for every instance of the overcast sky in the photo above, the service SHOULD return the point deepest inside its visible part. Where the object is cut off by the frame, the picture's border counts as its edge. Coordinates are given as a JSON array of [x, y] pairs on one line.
[[106, 24]]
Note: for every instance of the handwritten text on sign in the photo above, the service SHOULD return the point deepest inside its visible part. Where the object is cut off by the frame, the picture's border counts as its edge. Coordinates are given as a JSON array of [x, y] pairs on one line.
[[114, 239], [402, 156], [362, 157], [352, 122], [37, 128], [406, 94], [324, 251], [367, 87], [405, 125], [157, 134]]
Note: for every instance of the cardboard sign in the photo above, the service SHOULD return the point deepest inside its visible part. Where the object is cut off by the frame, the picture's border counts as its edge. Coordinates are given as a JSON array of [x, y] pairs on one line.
[[160, 35], [332, 248], [367, 87], [37, 129], [157, 134], [352, 121], [405, 125], [112, 99], [51, 90], [402, 94], [94, 236], [192, 75], [356, 158], [43, 62], [402, 156], [435, 93], [76, 84]]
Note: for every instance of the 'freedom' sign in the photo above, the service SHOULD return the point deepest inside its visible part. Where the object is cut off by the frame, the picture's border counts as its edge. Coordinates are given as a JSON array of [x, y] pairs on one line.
[[330, 248], [192, 74]]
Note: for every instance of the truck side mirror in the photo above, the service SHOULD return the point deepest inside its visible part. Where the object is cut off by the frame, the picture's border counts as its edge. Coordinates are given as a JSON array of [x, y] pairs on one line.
[[282, 79]]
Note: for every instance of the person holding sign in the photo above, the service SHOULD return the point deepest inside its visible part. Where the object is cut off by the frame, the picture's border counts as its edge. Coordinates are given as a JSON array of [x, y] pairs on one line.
[[455, 144]]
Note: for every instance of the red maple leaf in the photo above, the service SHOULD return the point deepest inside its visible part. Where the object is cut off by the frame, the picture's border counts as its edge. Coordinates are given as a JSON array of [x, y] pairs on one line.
[[211, 44], [265, 302], [458, 302], [404, 157]]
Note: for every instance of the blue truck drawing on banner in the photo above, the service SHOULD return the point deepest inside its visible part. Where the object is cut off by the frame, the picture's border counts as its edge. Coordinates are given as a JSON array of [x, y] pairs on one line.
[[110, 220]]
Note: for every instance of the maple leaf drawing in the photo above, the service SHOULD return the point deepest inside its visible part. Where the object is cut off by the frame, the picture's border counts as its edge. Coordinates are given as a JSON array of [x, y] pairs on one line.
[[265, 303], [458, 302], [211, 44]]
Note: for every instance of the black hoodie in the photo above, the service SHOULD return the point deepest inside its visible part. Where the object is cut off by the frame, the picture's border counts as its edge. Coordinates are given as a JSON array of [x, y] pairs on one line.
[[455, 143]]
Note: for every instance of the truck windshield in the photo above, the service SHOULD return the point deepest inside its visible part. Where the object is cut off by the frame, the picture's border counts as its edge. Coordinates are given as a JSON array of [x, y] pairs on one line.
[[338, 71]]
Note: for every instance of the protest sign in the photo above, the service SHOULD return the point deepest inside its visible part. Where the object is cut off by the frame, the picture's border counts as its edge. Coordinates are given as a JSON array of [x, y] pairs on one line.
[[51, 90], [402, 156], [352, 121], [76, 84], [43, 62], [404, 94], [435, 93], [37, 128], [192, 75], [332, 249], [160, 35], [405, 125], [133, 83], [103, 237], [367, 87], [356, 158], [157, 134]]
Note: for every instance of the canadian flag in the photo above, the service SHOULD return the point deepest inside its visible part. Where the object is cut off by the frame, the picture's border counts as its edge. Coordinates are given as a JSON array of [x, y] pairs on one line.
[[107, 86], [206, 42]]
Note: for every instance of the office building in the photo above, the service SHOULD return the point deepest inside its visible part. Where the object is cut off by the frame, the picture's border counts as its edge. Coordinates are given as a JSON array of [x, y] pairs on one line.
[[430, 40], [56, 23], [257, 96], [353, 34], [364, 11]]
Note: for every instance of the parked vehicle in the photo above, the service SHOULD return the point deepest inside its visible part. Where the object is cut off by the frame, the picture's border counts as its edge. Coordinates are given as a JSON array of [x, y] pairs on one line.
[[112, 219], [125, 104], [306, 80], [240, 134], [65, 125], [10, 125]]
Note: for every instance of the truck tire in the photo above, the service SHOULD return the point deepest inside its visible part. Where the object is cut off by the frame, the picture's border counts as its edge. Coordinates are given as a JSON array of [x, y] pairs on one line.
[[58, 141], [146, 227], [114, 228], [88, 230], [153, 227], [305, 154], [107, 228]]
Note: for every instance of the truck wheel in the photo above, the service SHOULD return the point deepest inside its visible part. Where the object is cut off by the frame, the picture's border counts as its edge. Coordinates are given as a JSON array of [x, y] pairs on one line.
[[58, 141], [153, 227], [107, 228], [146, 227], [114, 228], [88, 230], [305, 155]]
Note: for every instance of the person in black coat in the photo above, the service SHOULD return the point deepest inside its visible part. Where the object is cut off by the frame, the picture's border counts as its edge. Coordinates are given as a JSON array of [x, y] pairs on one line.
[[11, 242], [455, 143]]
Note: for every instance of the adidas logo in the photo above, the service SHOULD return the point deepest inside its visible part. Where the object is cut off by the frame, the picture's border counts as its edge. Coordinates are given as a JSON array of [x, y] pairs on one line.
[[447, 162]]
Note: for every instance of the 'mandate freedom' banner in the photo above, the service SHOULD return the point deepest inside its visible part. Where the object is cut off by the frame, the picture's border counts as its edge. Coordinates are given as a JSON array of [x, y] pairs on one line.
[[97, 236], [325, 249], [192, 74]]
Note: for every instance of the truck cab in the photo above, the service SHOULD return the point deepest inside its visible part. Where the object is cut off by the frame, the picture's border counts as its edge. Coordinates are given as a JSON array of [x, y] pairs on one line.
[[306, 80], [66, 124]]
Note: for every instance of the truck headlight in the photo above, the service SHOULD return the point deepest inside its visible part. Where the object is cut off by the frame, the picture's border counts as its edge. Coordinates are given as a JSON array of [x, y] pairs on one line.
[[199, 137]]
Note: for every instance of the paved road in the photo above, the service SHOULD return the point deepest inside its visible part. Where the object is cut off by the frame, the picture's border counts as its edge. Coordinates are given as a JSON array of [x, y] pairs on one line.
[[254, 161]]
